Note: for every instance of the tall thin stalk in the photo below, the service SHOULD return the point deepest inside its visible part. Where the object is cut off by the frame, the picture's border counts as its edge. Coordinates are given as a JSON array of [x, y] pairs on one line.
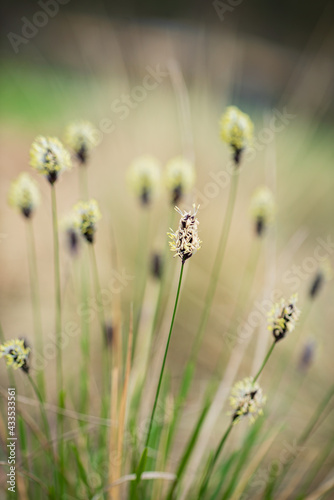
[[214, 277], [165, 357], [97, 286], [35, 297], [264, 361]]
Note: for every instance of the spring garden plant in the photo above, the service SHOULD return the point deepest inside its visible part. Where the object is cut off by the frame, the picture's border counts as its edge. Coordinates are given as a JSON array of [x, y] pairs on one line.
[[127, 453]]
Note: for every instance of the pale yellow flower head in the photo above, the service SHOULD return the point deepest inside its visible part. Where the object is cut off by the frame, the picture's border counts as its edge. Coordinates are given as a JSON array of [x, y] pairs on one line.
[[81, 137], [283, 317], [49, 157], [185, 241], [247, 400], [262, 208], [88, 214], [179, 177], [144, 177], [24, 194], [16, 354], [236, 129]]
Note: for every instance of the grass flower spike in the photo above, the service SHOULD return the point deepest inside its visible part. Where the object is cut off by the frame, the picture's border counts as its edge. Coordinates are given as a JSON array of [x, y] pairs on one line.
[[283, 317], [262, 209], [24, 195], [70, 224], [49, 157], [325, 273], [88, 214], [247, 400], [81, 137], [179, 178], [236, 129], [144, 178], [185, 241], [16, 354]]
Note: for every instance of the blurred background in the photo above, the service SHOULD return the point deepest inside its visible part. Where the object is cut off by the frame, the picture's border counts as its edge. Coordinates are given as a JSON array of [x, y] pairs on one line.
[[89, 60]]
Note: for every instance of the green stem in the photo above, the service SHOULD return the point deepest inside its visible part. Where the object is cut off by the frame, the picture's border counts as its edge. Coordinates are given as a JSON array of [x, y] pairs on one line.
[[216, 266], [264, 361], [40, 399], [165, 356], [213, 461], [100, 308], [85, 335], [35, 297]]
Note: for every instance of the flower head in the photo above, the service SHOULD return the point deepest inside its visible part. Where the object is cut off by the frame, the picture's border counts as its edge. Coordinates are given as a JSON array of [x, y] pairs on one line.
[[179, 177], [70, 224], [16, 353], [185, 241], [49, 157], [247, 399], [283, 317], [88, 214], [82, 137], [325, 273], [144, 177], [24, 194], [236, 129], [262, 208]]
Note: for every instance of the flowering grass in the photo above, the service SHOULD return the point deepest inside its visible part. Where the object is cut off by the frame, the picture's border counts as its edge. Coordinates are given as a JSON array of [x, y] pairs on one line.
[[132, 423]]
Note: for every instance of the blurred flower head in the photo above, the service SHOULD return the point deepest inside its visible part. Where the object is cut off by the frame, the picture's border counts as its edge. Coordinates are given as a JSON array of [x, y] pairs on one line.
[[144, 178], [70, 224], [283, 317], [16, 354], [49, 157], [157, 265], [307, 355], [236, 129], [247, 400], [81, 137], [262, 208], [185, 241], [88, 214], [24, 194], [179, 177], [325, 273]]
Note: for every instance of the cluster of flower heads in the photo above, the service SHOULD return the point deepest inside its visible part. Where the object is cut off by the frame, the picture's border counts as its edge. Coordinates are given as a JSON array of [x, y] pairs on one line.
[[144, 178], [24, 194], [236, 129], [85, 217], [81, 137], [283, 317], [262, 208], [49, 157], [16, 353], [185, 241], [247, 400]]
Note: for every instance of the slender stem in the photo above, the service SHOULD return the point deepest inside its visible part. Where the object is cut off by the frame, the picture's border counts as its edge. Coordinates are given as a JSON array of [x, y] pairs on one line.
[[35, 297], [97, 286], [216, 266], [165, 356], [85, 334], [213, 461], [264, 361], [141, 269], [40, 398]]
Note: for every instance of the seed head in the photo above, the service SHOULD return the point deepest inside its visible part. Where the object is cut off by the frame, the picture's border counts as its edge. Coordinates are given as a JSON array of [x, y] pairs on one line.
[[262, 209], [49, 157], [307, 355], [88, 214], [16, 354], [247, 400], [81, 137], [236, 129], [144, 178], [283, 317], [179, 178], [325, 273], [185, 241], [24, 195], [70, 224]]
